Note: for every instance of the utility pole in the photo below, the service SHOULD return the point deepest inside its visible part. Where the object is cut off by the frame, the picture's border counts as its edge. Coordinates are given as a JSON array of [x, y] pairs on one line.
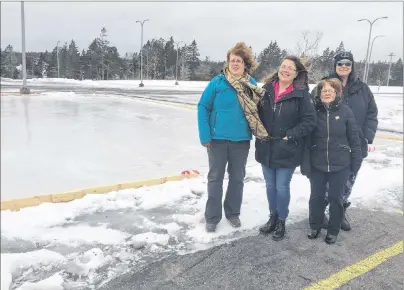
[[388, 75], [176, 62], [367, 51], [24, 89], [141, 49], [57, 57]]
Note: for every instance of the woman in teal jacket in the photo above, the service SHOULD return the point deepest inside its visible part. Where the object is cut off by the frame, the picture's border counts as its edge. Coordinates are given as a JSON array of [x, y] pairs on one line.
[[227, 118]]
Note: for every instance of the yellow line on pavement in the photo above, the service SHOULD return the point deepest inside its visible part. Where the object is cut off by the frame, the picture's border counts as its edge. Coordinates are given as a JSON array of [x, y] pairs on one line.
[[390, 137], [351, 272]]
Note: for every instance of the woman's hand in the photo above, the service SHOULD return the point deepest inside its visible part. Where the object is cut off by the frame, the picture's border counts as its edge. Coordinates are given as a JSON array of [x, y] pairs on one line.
[[207, 145], [371, 148]]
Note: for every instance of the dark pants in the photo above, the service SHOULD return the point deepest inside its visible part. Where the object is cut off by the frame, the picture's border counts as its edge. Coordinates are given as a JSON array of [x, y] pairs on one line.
[[221, 153], [318, 181], [277, 182], [348, 188]]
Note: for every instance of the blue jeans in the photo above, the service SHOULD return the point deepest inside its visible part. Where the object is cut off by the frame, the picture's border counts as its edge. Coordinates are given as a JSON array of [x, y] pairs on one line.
[[277, 181]]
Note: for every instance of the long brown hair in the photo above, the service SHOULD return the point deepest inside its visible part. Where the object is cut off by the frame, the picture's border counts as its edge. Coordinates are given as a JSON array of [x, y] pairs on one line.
[[242, 50], [301, 80]]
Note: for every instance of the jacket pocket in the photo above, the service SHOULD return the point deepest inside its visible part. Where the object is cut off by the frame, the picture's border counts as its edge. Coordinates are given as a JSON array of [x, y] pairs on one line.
[[284, 150], [343, 156], [262, 151]]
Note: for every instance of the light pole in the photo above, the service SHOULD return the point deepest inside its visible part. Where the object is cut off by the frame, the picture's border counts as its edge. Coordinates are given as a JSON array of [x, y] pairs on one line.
[[367, 51], [176, 62], [24, 89], [57, 57], [388, 75], [370, 54], [141, 49]]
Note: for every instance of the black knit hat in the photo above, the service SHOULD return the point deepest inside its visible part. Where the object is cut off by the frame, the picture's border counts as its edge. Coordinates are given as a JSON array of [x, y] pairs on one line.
[[343, 55]]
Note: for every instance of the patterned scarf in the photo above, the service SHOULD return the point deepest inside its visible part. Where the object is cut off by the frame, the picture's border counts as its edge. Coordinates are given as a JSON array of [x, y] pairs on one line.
[[249, 96]]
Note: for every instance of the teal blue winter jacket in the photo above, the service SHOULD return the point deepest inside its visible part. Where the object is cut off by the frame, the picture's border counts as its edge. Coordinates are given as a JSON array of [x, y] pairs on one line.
[[220, 115]]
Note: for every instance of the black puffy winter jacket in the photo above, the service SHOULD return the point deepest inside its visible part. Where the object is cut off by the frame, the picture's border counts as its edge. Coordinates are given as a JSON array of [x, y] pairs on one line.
[[360, 99], [294, 117], [334, 144]]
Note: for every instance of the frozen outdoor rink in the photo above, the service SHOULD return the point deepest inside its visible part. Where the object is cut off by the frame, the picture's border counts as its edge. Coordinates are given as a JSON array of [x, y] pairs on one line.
[[100, 133]]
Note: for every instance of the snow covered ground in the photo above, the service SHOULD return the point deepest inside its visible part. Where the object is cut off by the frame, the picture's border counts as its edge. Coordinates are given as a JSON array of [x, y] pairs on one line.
[[84, 243]]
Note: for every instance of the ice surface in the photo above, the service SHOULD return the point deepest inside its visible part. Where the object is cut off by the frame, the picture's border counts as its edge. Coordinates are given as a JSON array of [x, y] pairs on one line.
[[66, 141]]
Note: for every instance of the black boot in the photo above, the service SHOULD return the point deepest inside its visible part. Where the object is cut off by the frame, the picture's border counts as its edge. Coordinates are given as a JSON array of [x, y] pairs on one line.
[[345, 226], [330, 239], [279, 231], [269, 227], [314, 234]]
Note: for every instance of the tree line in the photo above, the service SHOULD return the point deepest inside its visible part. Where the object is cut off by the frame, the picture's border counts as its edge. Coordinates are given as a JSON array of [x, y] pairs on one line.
[[102, 61]]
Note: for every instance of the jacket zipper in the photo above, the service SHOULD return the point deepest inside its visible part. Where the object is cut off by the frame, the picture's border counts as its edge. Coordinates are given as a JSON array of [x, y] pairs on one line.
[[214, 123], [328, 137], [280, 108]]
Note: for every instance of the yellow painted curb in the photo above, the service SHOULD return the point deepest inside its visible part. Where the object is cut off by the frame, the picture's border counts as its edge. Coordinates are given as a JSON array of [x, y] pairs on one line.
[[351, 272], [16, 204], [386, 137]]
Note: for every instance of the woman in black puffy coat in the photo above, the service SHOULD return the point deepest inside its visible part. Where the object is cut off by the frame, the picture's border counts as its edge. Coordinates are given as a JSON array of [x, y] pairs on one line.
[[357, 95], [332, 152]]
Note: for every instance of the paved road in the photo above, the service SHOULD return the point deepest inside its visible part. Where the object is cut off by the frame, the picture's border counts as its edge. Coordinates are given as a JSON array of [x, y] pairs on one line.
[[259, 263]]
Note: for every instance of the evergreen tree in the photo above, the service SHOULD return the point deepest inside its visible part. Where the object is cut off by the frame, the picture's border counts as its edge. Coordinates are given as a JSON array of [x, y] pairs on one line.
[[340, 48], [74, 61], [10, 63], [397, 73]]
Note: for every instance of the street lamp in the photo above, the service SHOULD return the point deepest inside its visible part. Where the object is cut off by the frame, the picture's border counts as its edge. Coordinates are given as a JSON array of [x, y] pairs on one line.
[[57, 57], [141, 49], [370, 53], [367, 51], [176, 62], [24, 89]]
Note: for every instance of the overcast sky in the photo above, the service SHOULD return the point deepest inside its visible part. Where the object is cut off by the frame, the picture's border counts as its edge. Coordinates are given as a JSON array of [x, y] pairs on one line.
[[215, 26]]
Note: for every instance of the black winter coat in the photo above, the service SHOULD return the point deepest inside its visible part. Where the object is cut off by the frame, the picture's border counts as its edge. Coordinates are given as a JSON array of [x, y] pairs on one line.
[[293, 116], [360, 99], [334, 144]]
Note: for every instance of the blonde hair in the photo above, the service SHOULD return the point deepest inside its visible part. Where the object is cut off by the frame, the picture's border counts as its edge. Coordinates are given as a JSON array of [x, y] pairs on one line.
[[334, 83], [243, 51]]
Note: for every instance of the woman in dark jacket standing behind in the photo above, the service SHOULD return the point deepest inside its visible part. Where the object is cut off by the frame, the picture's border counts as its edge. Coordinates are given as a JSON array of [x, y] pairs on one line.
[[357, 95], [335, 152], [288, 115]]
